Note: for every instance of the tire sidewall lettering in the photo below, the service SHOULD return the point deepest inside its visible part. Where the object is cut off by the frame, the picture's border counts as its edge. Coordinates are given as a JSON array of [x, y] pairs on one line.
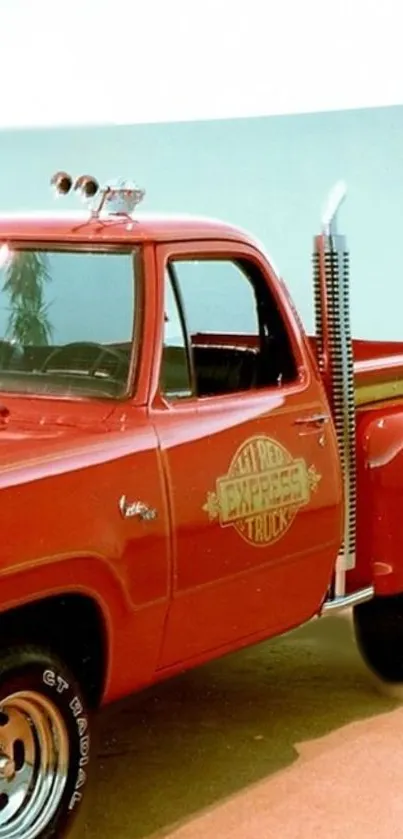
[[62, 689], [52, 680]]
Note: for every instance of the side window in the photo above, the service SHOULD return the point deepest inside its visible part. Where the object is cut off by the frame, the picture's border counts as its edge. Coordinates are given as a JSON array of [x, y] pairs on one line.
[[175, 369], [238, 340]]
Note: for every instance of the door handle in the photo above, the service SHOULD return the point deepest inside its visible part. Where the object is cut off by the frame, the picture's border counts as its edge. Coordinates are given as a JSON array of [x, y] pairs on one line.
[[318, 420]]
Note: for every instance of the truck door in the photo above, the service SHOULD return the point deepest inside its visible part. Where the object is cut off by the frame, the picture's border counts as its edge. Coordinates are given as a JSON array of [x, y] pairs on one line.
[[249, 451]]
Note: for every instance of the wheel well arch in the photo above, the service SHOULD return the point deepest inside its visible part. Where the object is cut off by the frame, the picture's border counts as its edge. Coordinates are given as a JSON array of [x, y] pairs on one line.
[[72, 626]]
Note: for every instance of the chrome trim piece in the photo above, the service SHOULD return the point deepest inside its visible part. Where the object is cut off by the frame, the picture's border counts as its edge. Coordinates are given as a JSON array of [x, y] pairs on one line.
[[136, 508], [315, 419], [334, 201], [348, 600], [332, 317], [342, 378]]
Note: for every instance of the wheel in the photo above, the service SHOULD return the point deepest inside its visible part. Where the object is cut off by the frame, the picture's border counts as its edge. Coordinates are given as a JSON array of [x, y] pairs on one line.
[[44, 747], [378, 626]]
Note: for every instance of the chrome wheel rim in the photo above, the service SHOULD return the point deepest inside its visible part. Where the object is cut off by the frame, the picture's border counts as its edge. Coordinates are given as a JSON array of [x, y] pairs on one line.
[[34, 759]]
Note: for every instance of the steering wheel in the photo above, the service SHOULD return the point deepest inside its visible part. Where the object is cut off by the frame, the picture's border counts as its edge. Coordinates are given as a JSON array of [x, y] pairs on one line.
[[77, 345]]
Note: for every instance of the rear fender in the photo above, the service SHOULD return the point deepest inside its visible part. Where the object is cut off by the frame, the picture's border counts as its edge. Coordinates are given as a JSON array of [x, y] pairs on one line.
[[380, 494]]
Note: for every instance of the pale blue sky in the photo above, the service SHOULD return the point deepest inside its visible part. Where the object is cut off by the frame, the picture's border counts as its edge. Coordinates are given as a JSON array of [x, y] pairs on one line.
[[140, 62], [269, 175]]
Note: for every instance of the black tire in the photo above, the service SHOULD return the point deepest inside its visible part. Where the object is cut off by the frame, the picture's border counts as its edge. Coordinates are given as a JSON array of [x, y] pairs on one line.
[[35, 688], [378, 626]]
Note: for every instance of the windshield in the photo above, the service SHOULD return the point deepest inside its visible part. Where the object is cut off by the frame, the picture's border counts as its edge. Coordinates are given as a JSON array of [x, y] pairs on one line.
[[66, 321]]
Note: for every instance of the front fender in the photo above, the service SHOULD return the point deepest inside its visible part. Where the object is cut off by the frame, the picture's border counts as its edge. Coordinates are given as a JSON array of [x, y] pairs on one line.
[[127, 630], [380, 498]]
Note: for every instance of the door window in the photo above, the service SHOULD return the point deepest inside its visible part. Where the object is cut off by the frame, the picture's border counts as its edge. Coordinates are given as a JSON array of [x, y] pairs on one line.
[[235, 338]]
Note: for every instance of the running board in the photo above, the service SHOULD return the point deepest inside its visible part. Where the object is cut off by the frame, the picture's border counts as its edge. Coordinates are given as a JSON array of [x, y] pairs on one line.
[[348, 600]]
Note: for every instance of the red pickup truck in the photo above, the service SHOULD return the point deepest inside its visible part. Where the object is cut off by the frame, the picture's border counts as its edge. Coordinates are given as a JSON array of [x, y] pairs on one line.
[[184, 472]]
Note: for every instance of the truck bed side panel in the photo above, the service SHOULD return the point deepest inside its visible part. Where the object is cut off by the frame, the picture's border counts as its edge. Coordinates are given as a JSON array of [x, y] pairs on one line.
[[380, 494]]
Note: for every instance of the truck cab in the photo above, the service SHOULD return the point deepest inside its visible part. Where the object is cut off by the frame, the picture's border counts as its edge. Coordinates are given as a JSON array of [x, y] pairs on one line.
[[179, 465]]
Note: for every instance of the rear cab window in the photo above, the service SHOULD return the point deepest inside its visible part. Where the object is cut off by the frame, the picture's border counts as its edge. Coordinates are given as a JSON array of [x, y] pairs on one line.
[[67, 321]]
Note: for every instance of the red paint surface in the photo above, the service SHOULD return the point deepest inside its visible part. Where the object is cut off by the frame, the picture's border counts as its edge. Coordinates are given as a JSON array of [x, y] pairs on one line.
[[181, 589]]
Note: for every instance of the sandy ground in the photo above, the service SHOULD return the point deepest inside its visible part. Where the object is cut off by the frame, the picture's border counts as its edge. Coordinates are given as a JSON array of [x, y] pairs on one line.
[[289, 740]]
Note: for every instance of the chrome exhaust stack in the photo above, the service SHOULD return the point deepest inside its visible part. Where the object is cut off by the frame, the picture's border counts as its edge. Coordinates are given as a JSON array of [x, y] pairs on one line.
[[335, 357]]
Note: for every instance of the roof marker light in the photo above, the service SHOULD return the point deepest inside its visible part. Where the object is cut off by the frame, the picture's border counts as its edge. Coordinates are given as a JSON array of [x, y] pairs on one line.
[[61, 183], [87, 186], [116, 198]]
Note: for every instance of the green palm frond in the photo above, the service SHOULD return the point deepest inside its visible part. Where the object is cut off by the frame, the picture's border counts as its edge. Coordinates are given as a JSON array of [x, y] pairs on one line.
[[26, 276]]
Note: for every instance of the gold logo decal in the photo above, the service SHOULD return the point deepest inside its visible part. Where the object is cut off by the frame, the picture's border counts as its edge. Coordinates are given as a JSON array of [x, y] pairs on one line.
[[262, 492]]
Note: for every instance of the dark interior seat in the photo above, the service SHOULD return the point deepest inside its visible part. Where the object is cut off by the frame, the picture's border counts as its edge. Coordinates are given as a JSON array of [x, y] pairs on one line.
[[224, 369]]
